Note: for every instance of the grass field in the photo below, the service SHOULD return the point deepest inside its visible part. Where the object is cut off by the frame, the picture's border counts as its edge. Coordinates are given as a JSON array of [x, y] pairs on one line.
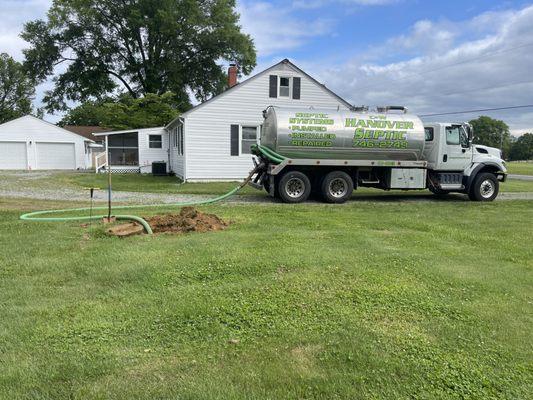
[[368, 300], [169, 184], [520, 168]]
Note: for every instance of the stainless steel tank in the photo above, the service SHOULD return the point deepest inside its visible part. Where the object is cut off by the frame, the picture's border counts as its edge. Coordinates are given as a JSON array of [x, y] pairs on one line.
[[327, 134]]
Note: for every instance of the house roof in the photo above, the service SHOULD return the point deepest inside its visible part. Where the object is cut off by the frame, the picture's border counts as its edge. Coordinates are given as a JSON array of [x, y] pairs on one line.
[[285, 61], [45, 122], [86, 130], [106, 133]]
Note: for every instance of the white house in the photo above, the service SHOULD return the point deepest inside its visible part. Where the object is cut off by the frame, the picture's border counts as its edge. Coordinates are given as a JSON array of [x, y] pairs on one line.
[[134, 150], [212, 140], [29, 143]]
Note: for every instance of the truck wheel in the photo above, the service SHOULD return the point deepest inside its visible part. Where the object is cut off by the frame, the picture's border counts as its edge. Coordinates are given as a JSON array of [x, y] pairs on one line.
[[294, 187], [337, 187], [484, 188]]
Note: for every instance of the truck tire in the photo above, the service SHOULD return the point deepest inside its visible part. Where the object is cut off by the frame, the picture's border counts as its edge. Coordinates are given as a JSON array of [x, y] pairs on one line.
[[484, 188], [337, 187], [294, 187]]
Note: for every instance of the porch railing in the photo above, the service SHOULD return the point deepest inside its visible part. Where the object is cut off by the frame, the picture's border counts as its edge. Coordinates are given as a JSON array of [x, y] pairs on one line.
[[101, 161]]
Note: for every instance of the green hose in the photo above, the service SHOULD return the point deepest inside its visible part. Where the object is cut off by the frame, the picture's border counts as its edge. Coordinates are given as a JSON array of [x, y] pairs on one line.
[[34, 216], [270, 154]]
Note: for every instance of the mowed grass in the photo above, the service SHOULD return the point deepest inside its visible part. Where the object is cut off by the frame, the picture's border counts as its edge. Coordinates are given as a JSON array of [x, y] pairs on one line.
[[367, 300], [172, 185], [520, 168]]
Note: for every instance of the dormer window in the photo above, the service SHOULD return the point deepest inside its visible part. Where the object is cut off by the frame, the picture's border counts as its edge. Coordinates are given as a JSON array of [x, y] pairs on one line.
[[284, 86]]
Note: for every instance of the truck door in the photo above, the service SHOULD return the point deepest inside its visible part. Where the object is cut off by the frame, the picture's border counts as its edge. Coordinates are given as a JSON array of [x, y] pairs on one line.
[[456, 150]]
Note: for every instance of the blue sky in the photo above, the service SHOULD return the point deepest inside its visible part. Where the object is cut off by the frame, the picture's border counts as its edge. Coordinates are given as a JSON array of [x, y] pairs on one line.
[[432, 56]]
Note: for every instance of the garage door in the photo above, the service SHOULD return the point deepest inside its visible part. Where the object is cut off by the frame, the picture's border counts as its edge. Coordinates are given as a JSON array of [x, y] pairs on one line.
[[13, 155], [56, 156]]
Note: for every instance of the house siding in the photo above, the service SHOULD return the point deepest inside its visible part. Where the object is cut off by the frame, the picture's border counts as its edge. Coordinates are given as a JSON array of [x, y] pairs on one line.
[[31, 131], [148, 155], [177, 161], [208, 127]]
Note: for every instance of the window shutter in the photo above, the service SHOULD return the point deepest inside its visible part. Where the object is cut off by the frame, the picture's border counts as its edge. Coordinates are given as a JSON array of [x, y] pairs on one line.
[[273, 87], [234, 140], [296, 84]]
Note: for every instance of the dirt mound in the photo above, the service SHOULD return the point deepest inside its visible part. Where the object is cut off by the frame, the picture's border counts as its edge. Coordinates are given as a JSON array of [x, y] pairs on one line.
[[188, 220]]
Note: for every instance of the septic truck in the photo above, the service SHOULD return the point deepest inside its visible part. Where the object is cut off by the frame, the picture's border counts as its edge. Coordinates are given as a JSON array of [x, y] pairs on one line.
[[332, 153]]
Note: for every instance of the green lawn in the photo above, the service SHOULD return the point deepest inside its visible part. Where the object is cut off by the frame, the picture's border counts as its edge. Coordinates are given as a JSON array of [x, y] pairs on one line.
[[368, 300], [520, 168], [169, 184]]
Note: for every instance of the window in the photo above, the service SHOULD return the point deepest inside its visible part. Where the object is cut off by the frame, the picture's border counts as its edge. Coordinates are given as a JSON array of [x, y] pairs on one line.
[[248, 138], [155, 141], [429, 134], [452, 135], [456, 135], [284, 87], [180, 140], [123, 149]]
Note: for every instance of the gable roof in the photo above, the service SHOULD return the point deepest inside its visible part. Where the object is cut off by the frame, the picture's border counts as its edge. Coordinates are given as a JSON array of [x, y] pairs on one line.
[[285, 61], [86, 130], [42, 121]]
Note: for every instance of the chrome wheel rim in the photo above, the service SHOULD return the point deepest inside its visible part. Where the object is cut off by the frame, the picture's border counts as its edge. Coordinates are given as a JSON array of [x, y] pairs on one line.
[[487, 188], [295, 187], [338, 188]]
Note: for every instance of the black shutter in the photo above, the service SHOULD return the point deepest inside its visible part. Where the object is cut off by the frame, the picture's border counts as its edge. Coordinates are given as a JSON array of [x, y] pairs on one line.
[[234, 140], [296, 83], [273, 87]]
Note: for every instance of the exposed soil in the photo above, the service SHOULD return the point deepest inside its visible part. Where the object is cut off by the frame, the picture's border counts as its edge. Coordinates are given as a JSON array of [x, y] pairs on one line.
[[188, 220]]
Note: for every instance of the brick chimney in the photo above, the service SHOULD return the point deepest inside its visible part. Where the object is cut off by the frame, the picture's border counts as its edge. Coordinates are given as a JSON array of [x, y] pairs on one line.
[[232, 75]]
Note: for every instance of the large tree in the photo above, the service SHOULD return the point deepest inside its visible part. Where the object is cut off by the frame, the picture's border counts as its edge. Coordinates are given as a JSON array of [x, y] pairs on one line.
[[492, 132], [16, 90], [125, 112], [522, 148], [142, 46]]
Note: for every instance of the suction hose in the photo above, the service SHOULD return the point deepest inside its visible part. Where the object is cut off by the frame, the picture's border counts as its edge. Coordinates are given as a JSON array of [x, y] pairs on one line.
[[37, 215]]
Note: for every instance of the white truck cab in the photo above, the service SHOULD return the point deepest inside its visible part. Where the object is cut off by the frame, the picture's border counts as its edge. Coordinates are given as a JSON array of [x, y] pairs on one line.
[[455, 164]]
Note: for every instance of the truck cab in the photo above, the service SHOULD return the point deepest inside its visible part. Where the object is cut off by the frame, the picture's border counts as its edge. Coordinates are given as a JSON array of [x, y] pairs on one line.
[[455, 164]]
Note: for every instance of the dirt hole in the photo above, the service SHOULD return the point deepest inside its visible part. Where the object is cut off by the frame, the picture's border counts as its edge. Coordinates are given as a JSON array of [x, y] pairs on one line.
[[188, 220]]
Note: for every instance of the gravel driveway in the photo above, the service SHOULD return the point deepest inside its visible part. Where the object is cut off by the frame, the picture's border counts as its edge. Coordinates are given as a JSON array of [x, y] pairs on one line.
[[23, 185]]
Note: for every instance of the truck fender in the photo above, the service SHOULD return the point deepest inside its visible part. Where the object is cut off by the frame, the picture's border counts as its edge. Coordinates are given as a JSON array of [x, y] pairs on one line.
[[478, 168]]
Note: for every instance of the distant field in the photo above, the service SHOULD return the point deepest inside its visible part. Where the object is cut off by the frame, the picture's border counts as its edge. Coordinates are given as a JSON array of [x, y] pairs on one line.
[[368, 300], [520, 168]]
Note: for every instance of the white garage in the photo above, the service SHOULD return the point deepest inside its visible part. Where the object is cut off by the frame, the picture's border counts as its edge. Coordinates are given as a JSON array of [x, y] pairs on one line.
[[29, 143], [13, 155], [55, 155]]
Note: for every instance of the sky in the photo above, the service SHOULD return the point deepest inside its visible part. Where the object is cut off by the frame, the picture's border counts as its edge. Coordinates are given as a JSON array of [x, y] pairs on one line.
[[430, 56]]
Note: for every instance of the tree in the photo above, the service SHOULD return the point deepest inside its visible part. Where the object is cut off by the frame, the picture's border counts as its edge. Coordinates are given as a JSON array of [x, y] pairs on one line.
[[141, 46], [16, 90], [522, 148], [125, 112], [492, 132]]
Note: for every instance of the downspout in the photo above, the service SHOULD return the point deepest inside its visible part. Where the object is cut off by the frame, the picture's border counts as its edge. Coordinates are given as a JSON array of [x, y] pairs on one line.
[[182, 120]]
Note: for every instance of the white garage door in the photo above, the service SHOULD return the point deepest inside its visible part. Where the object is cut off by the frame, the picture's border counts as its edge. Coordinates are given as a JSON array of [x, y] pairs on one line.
[[56, 156], [13, 155]]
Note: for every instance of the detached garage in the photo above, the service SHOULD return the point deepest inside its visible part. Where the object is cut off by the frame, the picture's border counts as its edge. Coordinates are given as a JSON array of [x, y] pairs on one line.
[[29, 143]]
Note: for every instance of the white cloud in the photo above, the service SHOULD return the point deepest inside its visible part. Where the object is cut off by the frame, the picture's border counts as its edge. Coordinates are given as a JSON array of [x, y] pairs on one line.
[[484, 62], [14, 14], [274, 29]]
